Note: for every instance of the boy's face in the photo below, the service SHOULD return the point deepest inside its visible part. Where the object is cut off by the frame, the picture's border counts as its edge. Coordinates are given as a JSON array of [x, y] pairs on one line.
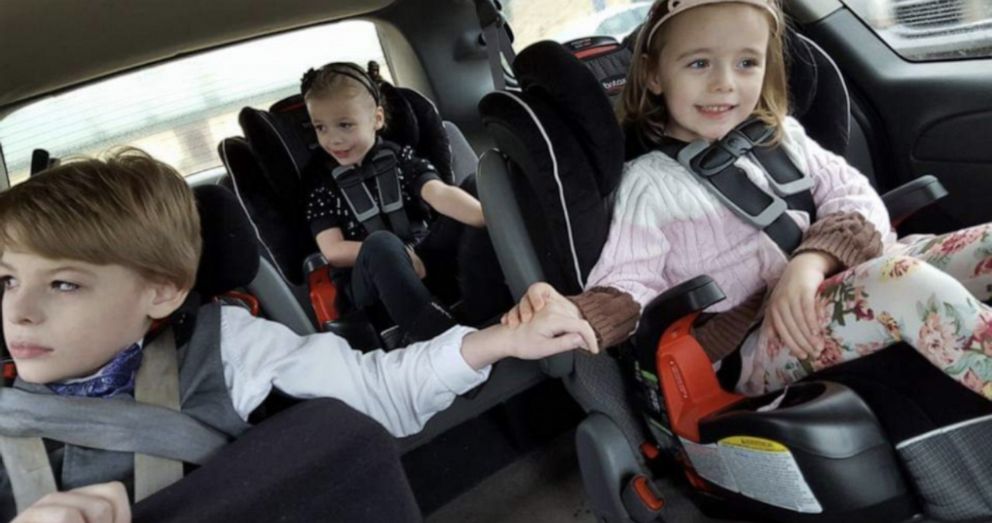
[[65, 319], [711, 69], [346, 122]]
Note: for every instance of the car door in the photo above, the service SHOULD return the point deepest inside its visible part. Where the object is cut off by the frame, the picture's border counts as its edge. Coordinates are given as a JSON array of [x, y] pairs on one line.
[[920, 76]]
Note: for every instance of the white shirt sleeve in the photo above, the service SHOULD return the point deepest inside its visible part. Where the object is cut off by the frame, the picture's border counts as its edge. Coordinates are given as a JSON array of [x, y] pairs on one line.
[[400, 389]]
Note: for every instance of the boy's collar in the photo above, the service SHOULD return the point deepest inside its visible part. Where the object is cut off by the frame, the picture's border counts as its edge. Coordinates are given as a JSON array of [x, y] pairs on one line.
[[113, 379]]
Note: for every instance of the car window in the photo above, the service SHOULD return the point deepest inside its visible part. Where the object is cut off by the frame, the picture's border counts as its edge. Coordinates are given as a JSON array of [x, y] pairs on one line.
[[928, 30], [179, 111], [564, 20]]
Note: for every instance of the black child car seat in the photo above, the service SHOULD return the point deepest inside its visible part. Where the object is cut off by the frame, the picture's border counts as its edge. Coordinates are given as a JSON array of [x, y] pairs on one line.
[[821, 454]]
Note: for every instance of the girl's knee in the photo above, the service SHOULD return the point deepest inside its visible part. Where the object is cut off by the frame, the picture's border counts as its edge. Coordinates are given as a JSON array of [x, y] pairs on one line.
[[381, 246]]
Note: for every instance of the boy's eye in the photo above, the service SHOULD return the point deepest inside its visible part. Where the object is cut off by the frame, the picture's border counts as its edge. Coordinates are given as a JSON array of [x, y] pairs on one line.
[[64, 286], [8, 282], [346, 125], [319, 127], [699, 64]]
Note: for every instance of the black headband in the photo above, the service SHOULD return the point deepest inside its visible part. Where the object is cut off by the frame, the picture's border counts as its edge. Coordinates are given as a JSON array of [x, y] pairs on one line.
[[345, 69]]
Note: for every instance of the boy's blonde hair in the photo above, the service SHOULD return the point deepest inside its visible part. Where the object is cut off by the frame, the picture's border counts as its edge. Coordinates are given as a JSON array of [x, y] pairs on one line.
[[128, 209], [644, 113]]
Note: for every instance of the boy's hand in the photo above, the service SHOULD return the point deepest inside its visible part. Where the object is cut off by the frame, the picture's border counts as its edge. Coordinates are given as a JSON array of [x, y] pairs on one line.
[[791, 314], [418, 264], [540, 295], [101, 503], [547, 333]]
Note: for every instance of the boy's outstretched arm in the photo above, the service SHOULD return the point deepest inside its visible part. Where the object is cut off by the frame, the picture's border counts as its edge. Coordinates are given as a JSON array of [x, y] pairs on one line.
[[548, 332]]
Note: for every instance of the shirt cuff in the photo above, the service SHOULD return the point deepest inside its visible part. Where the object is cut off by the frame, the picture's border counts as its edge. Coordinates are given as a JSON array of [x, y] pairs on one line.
[[445, 352]]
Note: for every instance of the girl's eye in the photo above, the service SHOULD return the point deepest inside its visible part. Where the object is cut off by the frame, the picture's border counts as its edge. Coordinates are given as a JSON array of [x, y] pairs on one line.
[[319, 127], [749, 63], [64, 286], [8, 282], [346, 125], [699, 64]]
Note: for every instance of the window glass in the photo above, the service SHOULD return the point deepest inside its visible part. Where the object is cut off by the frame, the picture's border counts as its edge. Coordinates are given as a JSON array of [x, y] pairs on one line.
[[180, 110], [927, 30], [564, 20]]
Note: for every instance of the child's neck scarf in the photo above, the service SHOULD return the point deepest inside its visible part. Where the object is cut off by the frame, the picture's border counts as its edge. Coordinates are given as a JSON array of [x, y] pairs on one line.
[[113, 379]]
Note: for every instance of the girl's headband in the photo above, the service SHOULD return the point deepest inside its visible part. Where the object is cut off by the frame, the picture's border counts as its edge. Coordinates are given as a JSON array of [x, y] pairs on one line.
[[345, 69], [678, 6]]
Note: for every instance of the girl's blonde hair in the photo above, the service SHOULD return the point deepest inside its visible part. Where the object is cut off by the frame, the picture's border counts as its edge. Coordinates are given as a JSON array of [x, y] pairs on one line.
[[644, 113], [128, 209]]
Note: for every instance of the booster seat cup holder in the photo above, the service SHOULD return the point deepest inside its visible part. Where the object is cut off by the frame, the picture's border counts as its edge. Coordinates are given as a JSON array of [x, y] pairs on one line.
[[547, 172]]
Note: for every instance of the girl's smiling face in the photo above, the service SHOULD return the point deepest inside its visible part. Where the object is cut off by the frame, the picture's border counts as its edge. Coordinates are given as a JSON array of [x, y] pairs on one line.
[[711, 69], [346, 122]]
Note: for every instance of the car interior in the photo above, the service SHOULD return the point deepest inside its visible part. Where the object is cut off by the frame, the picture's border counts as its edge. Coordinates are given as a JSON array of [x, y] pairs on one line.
[[571, 437]]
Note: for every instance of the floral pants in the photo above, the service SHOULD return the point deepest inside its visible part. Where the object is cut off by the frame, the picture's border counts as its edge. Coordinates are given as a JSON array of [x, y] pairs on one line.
[[927, 292]]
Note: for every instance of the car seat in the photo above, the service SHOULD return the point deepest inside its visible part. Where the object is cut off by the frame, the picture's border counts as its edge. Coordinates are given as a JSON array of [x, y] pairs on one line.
[[265, 168], [559, 157]]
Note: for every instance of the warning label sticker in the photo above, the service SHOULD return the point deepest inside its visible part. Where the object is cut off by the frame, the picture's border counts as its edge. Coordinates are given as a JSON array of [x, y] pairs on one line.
[[758, 468]]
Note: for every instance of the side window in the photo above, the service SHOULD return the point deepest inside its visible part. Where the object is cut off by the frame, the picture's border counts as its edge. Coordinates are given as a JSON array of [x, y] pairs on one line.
[[565, 20], [930, 30], [179, 111]]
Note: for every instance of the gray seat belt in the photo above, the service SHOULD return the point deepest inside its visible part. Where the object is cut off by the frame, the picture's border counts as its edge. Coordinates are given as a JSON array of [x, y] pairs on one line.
[[383, 168], [146, 428], [498, 39]]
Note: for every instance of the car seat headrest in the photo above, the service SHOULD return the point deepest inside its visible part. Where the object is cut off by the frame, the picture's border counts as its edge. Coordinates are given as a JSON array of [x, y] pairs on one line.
[[606, 58], [230, 250], [284, 139], [548, 71]]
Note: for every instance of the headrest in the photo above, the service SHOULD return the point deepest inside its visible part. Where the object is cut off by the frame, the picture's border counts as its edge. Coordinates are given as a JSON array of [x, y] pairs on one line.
[[548, 71], [284, 140], [606, 58], [230, 249]]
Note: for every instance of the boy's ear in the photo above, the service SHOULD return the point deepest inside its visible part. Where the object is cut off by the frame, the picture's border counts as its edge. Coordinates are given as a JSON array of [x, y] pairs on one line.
[[380, 118], [166, 298]]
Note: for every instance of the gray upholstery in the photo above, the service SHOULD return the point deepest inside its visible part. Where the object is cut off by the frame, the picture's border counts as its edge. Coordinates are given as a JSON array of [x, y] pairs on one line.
[[463, 157]]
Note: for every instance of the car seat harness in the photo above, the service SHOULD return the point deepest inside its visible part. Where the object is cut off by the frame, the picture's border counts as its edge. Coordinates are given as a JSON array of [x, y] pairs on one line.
[[388, 213]]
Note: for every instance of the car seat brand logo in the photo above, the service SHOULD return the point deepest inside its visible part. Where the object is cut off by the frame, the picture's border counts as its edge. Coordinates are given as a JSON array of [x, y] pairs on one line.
[[614, 84]]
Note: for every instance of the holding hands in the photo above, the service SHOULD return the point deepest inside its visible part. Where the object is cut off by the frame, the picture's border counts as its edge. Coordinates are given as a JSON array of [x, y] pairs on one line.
[[539, 296]]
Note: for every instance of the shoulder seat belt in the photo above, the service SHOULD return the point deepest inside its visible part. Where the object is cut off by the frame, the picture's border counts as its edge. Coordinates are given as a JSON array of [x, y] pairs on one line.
[[712, 164], [146, 427], [382, 167]]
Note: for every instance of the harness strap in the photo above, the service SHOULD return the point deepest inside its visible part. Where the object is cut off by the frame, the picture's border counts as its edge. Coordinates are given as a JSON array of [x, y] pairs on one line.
[[713, 166], [389, 214], [157, 383]]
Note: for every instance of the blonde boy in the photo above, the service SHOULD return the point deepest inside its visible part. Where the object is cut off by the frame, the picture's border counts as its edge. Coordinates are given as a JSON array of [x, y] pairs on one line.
[[92, 252]]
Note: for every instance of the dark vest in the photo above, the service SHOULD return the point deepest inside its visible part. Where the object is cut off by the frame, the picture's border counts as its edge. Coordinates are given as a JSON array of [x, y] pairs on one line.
[[203, 396]]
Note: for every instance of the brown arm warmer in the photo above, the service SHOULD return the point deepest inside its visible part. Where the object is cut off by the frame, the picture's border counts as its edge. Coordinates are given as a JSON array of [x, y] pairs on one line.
[[849, 237], [612, 313]]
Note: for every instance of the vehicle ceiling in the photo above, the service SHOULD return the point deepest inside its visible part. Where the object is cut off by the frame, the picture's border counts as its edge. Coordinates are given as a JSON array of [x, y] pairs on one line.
[[53, 44]]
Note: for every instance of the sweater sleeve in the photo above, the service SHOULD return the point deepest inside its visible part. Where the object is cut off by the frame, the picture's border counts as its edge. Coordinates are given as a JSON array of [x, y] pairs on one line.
[[634, 256], [853, 223], [612, 313]]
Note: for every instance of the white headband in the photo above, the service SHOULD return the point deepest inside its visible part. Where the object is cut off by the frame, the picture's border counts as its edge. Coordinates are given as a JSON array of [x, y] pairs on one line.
[[677, 6]]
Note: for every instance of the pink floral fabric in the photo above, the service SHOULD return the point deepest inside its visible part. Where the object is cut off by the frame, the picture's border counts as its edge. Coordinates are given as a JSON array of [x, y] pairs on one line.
[[929, 292]]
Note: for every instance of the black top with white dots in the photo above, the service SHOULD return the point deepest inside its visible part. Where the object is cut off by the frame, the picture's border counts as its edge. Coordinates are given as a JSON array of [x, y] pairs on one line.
[[326, 208]]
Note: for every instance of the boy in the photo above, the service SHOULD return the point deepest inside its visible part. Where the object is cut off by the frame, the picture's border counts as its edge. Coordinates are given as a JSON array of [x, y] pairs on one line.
[[92, 252]]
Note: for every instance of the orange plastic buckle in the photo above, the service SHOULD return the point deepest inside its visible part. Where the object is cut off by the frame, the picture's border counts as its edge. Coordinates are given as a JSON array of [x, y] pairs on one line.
[[322, 295], [649, 450], [252, 302], [646, 495], [688, 382]]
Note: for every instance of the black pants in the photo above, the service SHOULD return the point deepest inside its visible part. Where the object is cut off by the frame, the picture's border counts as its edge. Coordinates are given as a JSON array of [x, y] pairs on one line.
[[460, 264], [318, 461]]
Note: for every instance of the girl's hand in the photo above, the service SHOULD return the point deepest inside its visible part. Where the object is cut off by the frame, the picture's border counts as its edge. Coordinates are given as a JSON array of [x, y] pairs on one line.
[[101, 503], [791, 313], [418, 264], [540, 295], [545, 334]]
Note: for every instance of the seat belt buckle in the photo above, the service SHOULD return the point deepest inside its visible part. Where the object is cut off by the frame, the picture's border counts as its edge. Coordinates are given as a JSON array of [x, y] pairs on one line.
[[700, 152]]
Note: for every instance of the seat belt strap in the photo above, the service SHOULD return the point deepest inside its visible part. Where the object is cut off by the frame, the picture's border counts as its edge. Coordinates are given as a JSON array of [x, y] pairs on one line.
[[28, 468], [713, 166], [157, 383], [498, 40]]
